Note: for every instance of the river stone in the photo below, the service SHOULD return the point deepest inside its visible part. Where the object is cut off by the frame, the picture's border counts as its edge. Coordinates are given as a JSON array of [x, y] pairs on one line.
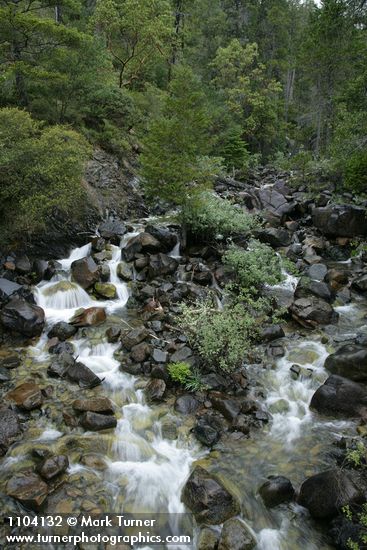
[[106, 290], [307, 287], [23, 317], [272, 332], [94, 404], [10, 361], [227, 406], [276, 490], [312, 312], [208, 499], [112, 230], [349, 361], [339, 396], [85, 272], [134, 337], [7, 289], [161, 264], [206, 431], [181, 355], [236, 536], [360, 283], [95, 421], [28, 488], [167, 238], [326, 493], [340, 220], [60, 364], [141, 352], [142, 243], [23, 265], [4, 375], [276, 237], [155, 390], [57, 347], [26, 396], [208, 539], [125, 272], [53, 466], [317, 272], [186, 404], [62, 331], [89, 317], [83, 375], [9, 429], [159, 356], [113, 334]]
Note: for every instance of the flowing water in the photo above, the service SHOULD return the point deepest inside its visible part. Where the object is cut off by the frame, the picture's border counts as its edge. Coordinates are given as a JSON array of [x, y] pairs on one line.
[[144, 470]]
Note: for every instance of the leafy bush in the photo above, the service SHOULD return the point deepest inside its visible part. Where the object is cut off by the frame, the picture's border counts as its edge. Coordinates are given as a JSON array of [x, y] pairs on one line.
[[254, 267], [355, 177], [221, 338], [209, 216], [187, 376], [40, 169]]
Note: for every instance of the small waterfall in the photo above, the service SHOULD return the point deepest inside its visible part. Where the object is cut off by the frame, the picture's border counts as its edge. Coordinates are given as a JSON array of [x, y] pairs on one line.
[[76, 254]]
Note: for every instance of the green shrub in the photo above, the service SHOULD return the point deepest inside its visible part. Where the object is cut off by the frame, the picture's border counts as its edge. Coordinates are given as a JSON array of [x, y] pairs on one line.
[[187, 376], [208, 216], [355, 177], [221, 337], [254, 267]]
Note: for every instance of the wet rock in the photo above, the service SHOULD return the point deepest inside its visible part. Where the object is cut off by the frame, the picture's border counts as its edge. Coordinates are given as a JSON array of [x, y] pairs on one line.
[[214, 381], [276, 490], [186, 404], [4, 375], [307, 288], [10, 361], [23, 317], [103, 256], [53, 467], [339, 396], [276, 237], [125, 272], [9, 429], [98, 244], [57, 347], [360, 283], [274, 203], [105, 273], [326, 493], [85, 272], [343, 531], [28, 488], [142, 243], [62, 331], [134, 337], [275, 350], [82, 375], [95, 422], [203, 277], [89, 317], [349, 361], [40, 268], [94, 404], [300, 372], [337, 278], [236, 536], [112, 230], [23, 265], [155, 390], [272, 332], [167, 238], [106, 290], [312, 312], [181, 355], [227, 406], [208, 499], [113, 334], [340, 220], [317, 272], [27, 396], [207, 431], [159, 356], [140, 352], [161, 264], [8, 289], [60, 364], [208, 539]]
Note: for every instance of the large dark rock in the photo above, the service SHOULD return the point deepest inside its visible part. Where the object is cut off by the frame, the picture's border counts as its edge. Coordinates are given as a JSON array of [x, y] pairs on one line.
[[89, 317], [208, 499], [349, 361], [112, 230], [134, 337], [62, 331], [276, 490], [85, 272], [23, 317], [312, 312], [326, 493], [26, 396], [167, 238], [28, 488], [161, 264], [142, 243], [272, 332], [155, 390], [95, 422], [186, 404], [276, 237], [60, 364], [339, 396], [207, 430], [360, 283], [94, 404], [53, 467], [340, 220], [236, 536], [23, 265], [307, 288], [9, 429], [227, 406], [275, 203], [7, 289]]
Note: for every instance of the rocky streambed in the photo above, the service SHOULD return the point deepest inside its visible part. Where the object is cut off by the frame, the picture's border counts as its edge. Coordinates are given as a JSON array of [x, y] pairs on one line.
[[91, 421]]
